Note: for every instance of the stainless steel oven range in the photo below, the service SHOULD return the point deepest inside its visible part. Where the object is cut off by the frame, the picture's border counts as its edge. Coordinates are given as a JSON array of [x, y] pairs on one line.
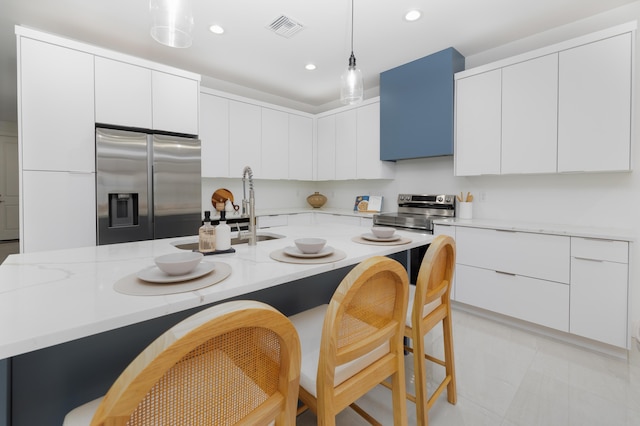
[[416, 213]]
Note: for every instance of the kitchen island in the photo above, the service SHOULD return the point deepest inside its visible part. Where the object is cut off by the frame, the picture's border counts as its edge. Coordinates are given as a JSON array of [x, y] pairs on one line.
[[65, 333]]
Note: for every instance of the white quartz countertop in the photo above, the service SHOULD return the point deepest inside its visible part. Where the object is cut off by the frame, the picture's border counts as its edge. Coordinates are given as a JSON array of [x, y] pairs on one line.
[[543, 228], [52, 297]]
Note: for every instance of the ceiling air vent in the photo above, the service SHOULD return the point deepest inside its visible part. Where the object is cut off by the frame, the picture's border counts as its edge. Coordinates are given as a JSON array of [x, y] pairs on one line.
[[285, 26]]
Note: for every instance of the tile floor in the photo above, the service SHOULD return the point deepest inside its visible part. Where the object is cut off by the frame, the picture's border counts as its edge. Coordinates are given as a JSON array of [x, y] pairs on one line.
[[509, 377], [7, 248]]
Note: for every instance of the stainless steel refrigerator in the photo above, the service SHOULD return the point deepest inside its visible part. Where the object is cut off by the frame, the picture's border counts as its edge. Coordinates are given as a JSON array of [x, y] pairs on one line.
[[147, 185]]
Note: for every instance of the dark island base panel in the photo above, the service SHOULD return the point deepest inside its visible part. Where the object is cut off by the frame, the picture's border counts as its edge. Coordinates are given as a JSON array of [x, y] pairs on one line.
[[47, 384]]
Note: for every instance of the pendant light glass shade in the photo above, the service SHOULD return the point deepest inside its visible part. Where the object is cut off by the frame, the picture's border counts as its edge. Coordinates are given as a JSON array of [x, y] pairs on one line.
[[351, 85], [172, 22]]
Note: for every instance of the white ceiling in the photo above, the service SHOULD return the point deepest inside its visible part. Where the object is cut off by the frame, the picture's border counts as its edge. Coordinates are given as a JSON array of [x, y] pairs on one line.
[[249, 56]]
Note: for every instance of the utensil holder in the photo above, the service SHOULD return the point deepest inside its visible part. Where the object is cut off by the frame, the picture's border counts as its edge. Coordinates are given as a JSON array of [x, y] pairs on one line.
[[465, 210]]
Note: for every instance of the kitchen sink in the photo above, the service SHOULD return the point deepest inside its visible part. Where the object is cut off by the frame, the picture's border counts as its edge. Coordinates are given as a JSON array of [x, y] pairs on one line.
[[234, 241]]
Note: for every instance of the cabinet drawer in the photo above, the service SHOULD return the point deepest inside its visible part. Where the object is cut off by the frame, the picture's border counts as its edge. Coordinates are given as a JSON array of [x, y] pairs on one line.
[[538, 301], [533, 255], [609, 250], [269, 221]]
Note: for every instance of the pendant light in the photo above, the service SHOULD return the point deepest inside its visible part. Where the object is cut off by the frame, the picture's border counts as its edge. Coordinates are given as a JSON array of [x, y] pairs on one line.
[[351, 86], [172, 22]]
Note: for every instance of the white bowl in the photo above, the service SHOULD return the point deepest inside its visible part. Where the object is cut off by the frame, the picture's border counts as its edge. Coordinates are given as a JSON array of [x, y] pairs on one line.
[[383, 231], [178, 263], [310, 245]]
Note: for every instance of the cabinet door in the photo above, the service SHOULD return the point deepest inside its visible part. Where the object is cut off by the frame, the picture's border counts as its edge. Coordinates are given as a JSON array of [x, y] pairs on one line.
[[175, 103], [56, 107], [123, 94], [478, 124], [538, 301], [214, 136], [300, 219], [346, 145], [530, 116], [599, 300], [59, 210], [275, 144], [300, 147], [244, 138], [594, 124], [368, 164], [326, 158]]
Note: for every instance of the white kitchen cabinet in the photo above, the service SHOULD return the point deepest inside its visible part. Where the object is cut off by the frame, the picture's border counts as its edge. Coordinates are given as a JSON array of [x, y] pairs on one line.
[[244, 138], [530, 116], [300, 219], [478, 124], [272, 221], [274, 144], [538, 301], [300, 147], [326, 148], [59, 209], [599, 287], [175, 103], [322, 218], [368, 164], [123, 94], [56, 93], [346, 145], [214, 136], [520, 274], [594, 126], [522, 253]]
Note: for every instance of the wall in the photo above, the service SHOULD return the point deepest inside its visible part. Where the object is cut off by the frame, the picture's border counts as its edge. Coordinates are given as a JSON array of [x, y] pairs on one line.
[[601, 200]]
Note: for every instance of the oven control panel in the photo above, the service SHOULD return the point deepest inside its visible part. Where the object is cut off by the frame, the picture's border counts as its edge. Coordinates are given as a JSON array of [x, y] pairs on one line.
[[426, 200]]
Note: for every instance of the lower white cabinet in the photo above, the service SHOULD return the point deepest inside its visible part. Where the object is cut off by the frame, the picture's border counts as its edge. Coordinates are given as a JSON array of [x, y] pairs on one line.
[[529, 299], [599, 277], [59, 210], [568, 283], [272, 221], [300, 219]]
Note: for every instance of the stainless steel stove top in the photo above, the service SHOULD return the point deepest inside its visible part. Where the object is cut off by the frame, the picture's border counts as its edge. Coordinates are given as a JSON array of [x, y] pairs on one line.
[[417, 211]]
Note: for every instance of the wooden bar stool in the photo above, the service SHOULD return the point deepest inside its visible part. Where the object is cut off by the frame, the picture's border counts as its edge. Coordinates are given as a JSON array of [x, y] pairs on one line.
[[352, 344], [234, 363], [429, 305]]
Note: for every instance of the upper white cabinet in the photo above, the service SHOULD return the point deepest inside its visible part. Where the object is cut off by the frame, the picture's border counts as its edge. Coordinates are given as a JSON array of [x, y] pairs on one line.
[[368, 164], [348, 145], [56, 107], [123, 94], [478, 117], [300, 147], [595, 106], [326, 141], [214, 136], [564, 108], [245, 121], [530, 116], [175, 103], [134, 96], [275, 144]]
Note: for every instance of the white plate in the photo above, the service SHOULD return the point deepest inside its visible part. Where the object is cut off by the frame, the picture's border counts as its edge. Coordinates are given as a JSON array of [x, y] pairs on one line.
[[155, 275], [295, 252], [371, 237]]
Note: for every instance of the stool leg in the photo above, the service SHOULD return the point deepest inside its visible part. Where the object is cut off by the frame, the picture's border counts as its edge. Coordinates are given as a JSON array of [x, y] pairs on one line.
[[449, 357], [420, 373]]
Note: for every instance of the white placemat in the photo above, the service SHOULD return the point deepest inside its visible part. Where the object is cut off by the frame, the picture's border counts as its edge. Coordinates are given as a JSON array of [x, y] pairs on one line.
[[281, 256], [360, 240], [134, 286]]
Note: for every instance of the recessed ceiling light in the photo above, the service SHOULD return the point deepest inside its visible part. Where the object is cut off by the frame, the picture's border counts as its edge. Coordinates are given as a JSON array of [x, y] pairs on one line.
[[216, 29], [412, 15], [310, 67]]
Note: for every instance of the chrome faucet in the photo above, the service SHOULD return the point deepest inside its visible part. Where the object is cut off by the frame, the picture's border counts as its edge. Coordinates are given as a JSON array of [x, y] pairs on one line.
[[251, 204]]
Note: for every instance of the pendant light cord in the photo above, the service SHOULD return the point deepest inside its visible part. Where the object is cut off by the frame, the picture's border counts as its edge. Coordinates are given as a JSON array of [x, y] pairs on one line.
[[352, 27]]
